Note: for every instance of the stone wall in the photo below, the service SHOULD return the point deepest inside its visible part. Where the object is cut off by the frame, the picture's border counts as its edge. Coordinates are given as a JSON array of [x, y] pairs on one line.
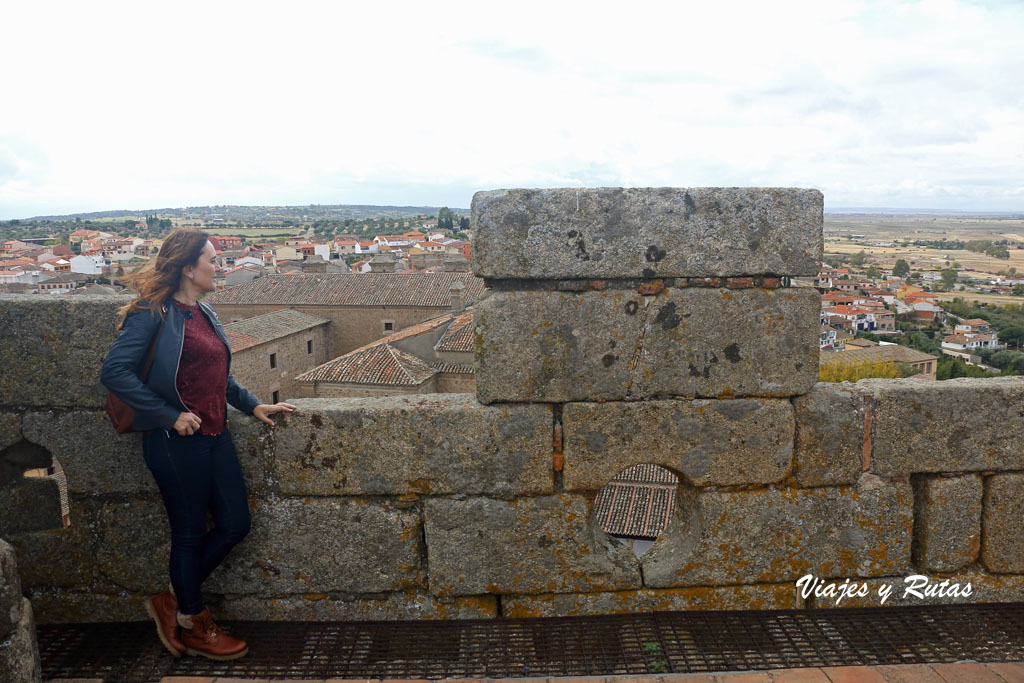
[[251, 366], [453, 506]]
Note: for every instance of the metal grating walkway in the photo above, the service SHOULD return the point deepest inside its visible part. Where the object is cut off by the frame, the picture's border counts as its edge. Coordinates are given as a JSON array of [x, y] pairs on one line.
[[652, 643]]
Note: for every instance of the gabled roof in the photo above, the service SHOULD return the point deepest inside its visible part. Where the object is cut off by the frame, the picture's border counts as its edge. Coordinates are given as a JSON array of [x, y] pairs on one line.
[[344, 289], [887, 353], [454, 368], [974, 322], [458, 338], [380, 364], [268, 327]]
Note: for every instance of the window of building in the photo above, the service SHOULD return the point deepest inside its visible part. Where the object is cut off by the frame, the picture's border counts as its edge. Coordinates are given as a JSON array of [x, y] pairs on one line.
[[309, 346], [273, 360], [389, 326], [276, 397]]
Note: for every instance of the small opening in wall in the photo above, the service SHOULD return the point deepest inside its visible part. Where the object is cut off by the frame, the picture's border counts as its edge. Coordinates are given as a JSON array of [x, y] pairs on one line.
[[637, 505], [273, 360], [277, 397], [56, 472]]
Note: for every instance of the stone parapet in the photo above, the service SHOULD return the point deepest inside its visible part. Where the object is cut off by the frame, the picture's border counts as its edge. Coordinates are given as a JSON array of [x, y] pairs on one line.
[[772, 535], [43, 341], [830, 436], [19, 652], [1002, 550], [921, 426], [707, 442], [947, 522], [323, 545], [529, 545], [646, 232], [431, 444], [615, 345]]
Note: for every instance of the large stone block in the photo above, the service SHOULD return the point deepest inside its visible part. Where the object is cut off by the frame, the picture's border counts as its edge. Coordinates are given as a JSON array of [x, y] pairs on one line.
[[947, 522], [30, 504], [1002, 549], [59, 606], [774, 535], [323, 545], [646, 232], [131, 542], [617, 344], [829, 434], [60, 341], [743, 441], [74, 546], [10, 429], [442, 443], [95, 458], [959, 425], [19, 653], [254, 444], [10, 590], [765, 596], [402, 606], [530, 545]]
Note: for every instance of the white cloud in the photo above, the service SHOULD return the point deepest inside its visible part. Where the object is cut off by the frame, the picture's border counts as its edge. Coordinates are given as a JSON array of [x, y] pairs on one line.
[[134, 105]]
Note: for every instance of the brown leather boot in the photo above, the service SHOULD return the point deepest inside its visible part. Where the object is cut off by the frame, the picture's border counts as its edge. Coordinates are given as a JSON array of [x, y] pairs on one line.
[[206, 639], [164, 610]]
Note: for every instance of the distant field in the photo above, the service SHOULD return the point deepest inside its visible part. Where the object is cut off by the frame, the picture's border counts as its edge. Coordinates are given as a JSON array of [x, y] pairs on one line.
[[926, 259], [1000, 299], [251, 232]]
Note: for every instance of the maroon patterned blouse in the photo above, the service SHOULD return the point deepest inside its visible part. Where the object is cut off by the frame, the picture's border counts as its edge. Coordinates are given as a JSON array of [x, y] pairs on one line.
[[203, 372]]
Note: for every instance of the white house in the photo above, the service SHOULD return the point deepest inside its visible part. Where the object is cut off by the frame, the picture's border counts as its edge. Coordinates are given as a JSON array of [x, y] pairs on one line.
[[89, 264]]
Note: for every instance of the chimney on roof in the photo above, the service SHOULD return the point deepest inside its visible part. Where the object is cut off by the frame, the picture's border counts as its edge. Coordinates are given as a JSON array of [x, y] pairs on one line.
[[458, 293], [456, 264], [382, 263], [314, 264]]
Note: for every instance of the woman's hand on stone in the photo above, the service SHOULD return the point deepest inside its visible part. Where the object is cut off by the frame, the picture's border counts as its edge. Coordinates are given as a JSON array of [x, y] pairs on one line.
[[263, 411], [186, 424]]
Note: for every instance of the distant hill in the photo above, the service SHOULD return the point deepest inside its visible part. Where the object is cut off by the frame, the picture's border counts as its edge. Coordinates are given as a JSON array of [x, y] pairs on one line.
[[228, 212]]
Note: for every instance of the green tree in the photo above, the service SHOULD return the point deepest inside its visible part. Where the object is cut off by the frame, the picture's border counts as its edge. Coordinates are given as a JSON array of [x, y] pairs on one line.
[[1012, 335], [464, 223], [948, 278], [858, 258], [445, 218], [901, 269], [873, 272]]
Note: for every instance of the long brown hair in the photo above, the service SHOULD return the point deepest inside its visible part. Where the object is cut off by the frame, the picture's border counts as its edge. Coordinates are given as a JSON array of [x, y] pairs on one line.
[[159, 279]]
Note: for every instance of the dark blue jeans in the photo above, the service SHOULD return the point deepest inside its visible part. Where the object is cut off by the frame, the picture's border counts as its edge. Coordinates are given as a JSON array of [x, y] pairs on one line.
[[197, 474]]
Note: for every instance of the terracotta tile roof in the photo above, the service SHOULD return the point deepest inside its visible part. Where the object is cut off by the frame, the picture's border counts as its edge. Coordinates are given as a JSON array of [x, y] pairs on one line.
[[454, 368], [379, 364], [974, 322], [267, 327], [638, 503], [889, 353], [343, 289], [458, 338]]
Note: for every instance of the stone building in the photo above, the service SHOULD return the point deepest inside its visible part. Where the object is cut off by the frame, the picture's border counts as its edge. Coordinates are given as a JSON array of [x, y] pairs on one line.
[[268, 350], [361, 308], [433, 357]]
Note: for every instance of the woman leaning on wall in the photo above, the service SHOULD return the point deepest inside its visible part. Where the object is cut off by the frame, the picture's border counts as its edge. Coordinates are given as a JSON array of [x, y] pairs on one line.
[[181, 408]]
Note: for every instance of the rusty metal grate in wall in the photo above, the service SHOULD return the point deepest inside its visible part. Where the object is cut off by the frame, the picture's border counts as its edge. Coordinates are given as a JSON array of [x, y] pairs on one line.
[[651, 643]]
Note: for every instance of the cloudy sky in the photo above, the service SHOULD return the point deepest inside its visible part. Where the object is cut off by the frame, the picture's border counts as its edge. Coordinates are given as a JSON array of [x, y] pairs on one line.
[[138, 105]]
